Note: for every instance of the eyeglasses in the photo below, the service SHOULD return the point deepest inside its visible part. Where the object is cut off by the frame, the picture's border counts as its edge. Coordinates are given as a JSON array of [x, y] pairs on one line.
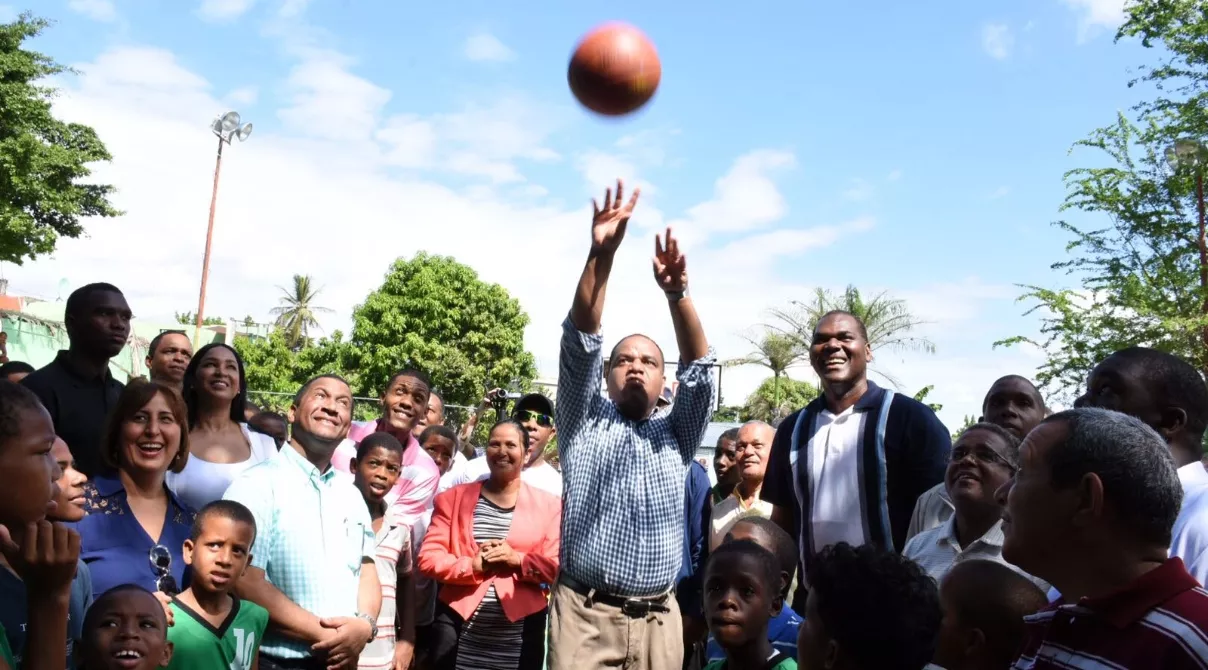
[[543, 420], [981, 454], [161, 564]]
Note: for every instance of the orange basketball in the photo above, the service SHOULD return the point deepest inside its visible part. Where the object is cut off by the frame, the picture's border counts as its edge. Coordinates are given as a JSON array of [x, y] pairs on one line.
[[614, 70]]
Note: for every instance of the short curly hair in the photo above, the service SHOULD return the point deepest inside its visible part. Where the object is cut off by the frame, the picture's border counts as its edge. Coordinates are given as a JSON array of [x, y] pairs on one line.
[[134, 397], [882, 609], [15, 401]]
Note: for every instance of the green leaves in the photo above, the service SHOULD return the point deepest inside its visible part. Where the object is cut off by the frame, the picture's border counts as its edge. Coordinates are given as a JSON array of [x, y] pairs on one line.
[[777, 398], [42, 159]]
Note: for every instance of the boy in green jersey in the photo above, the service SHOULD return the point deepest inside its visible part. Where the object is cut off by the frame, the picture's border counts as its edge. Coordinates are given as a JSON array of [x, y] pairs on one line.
[[743, 591], [212, 627]]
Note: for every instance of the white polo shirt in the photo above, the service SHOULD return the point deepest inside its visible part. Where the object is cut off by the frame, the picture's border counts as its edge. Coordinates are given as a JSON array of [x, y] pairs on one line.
[[835, 479]]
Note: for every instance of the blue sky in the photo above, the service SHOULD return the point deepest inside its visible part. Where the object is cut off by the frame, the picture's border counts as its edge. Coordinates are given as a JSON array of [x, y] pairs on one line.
[[904, 148]]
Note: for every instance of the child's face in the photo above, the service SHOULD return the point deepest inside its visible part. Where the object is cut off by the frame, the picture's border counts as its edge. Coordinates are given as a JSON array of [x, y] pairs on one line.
[[377, 473], [738, 604], [440, 448], [69, 503], [29, 471], [950, 646], [221, 553], [753, 533], [130, 633]]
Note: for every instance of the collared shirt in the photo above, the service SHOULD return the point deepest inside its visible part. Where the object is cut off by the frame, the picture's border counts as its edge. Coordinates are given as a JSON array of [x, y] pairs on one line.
[[730, 511], [114, 545], [541, 476], [78, 405], [931, 511], [1157, 621], [834, 458], [392, 557], [938, 549], [623, 508], [313, 530], [412, 495], [698, 510], [901, 451], [1189, 538]]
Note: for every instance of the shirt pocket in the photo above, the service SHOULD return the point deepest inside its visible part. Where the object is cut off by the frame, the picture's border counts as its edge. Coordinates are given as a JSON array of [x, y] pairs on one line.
[[354, 543]]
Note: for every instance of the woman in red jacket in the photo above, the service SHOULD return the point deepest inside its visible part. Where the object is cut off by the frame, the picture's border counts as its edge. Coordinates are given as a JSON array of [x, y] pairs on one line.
[[493, 546]]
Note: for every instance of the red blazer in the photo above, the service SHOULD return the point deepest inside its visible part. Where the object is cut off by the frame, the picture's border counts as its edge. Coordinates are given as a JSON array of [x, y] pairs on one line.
[[447, 554]]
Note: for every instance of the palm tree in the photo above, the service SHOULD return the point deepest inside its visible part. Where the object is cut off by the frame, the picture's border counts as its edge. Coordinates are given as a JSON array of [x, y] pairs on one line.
[[887, 319], [775, 351], [296, 315]]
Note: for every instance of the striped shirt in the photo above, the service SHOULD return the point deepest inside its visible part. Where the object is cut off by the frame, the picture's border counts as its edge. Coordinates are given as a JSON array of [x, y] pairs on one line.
[[1158, 621], [938, 549], [489, 640], [312, 533], [623, 508], [391, 558]]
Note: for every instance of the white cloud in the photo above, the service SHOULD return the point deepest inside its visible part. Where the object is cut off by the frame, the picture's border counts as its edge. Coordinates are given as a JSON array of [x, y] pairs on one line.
[[1095, 16], [858, 191], [1000, 192], [329, 102], [997, 40], [244, 95], [224, 10], [745, 198], [97, 10], [894, 175], [485, 47]]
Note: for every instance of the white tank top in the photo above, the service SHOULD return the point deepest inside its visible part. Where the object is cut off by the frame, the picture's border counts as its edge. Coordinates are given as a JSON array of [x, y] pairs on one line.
[[203, 482]]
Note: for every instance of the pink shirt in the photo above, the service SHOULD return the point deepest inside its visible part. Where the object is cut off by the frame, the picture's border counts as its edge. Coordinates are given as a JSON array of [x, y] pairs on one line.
[[412, 495]]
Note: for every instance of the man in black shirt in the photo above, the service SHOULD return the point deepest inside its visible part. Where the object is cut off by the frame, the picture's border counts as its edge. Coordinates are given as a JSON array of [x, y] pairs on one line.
[[76, 387]]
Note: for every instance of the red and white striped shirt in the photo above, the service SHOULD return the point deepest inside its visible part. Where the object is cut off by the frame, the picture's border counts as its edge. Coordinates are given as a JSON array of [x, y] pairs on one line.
[[1158, 621]]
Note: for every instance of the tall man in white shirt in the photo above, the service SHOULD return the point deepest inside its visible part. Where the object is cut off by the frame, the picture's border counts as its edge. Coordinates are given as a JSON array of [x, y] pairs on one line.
[[1169, 395], [851, 464]]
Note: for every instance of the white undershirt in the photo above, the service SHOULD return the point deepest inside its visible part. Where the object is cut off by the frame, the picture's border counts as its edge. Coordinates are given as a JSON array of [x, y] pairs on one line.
[[203, 482], [835, 480]]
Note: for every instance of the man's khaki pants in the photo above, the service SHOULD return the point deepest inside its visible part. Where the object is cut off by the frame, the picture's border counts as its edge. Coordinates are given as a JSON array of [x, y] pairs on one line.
[[585, 635]]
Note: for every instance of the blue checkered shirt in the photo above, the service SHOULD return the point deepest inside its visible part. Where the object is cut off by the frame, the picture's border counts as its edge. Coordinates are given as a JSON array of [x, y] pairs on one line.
[[623, 500], [313, 532]]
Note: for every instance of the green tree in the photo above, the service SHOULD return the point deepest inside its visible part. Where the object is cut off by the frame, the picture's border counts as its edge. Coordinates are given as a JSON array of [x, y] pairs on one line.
[[435, 314], [969, 421], [297, 313], [888, 320], [43, 161], [762, 405], [775, 351], [190, 319], [921, 396], [270, 368]]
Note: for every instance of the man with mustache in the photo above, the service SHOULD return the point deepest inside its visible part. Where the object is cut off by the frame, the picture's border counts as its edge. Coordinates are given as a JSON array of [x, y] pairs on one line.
[[624, 466], [312, 562], [851, 464], [76, 388]]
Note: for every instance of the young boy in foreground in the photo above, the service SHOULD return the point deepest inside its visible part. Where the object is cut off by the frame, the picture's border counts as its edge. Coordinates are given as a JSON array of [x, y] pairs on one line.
[[984, 604], [212, 628], [743, 587], [376, 468], [126, 629]]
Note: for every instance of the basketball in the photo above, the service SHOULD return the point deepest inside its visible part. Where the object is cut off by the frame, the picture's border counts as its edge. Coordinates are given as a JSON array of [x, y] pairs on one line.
[[614, 70]]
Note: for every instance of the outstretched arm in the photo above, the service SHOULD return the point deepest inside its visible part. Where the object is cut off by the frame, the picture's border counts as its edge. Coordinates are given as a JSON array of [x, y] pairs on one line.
[[607, 230], [671, 273]]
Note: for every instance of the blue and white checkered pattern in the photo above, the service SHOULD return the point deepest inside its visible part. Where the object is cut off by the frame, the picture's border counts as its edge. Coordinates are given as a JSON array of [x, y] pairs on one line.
[[623, 498], [313, 531]]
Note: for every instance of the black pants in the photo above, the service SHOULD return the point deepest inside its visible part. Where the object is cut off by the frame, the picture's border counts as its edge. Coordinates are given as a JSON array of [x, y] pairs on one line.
[[439, 646], [270, 663]]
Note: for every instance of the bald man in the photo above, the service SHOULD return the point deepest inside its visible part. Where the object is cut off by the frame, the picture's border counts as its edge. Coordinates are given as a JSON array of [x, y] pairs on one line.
[[752, 447]]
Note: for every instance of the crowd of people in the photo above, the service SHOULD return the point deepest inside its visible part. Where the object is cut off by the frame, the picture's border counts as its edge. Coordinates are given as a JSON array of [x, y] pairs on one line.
[[167, 523]]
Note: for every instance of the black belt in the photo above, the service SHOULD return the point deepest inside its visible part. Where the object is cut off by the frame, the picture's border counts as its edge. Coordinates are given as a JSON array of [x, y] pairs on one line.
[[630, 606]]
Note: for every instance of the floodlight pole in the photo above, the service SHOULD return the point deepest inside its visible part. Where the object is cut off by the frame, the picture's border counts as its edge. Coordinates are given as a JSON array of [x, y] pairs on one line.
[[205, 263]]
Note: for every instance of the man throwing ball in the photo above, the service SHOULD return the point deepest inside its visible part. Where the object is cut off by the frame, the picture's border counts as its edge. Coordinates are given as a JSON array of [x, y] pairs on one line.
[[624, 467]]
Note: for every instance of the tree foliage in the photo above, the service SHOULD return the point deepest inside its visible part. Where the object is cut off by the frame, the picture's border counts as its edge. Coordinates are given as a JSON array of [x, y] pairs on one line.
[[794, 394], [888, 320], [435, 314], [922, 394], [190, 319], [298, 312], [1141, 266], [42, 160], [775, 351]]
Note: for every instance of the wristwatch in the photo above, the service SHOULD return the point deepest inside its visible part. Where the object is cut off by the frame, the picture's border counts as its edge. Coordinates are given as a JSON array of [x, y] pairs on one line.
[[372, 621], [676, 296]]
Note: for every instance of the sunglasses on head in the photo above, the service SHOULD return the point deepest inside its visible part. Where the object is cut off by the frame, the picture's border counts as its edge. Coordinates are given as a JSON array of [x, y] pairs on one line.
[[543, 420], [161, 564]]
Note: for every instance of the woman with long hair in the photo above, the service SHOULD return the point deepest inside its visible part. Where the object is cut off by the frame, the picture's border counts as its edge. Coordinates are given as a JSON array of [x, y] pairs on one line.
[[491, 546], [221, 444], [135, 527]]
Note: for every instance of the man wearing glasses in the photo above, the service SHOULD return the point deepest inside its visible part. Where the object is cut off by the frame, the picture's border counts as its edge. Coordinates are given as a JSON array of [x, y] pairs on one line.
[[982, 461], [536, 413]]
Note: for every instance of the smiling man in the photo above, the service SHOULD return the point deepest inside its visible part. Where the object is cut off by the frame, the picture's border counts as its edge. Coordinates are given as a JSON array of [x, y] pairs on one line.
[[76, 388], [312, 562], [851, 464], [752, 447]]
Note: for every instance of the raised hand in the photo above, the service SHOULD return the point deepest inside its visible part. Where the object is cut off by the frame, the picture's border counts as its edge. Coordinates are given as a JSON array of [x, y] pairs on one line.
[[608, 223], [670, 266]]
